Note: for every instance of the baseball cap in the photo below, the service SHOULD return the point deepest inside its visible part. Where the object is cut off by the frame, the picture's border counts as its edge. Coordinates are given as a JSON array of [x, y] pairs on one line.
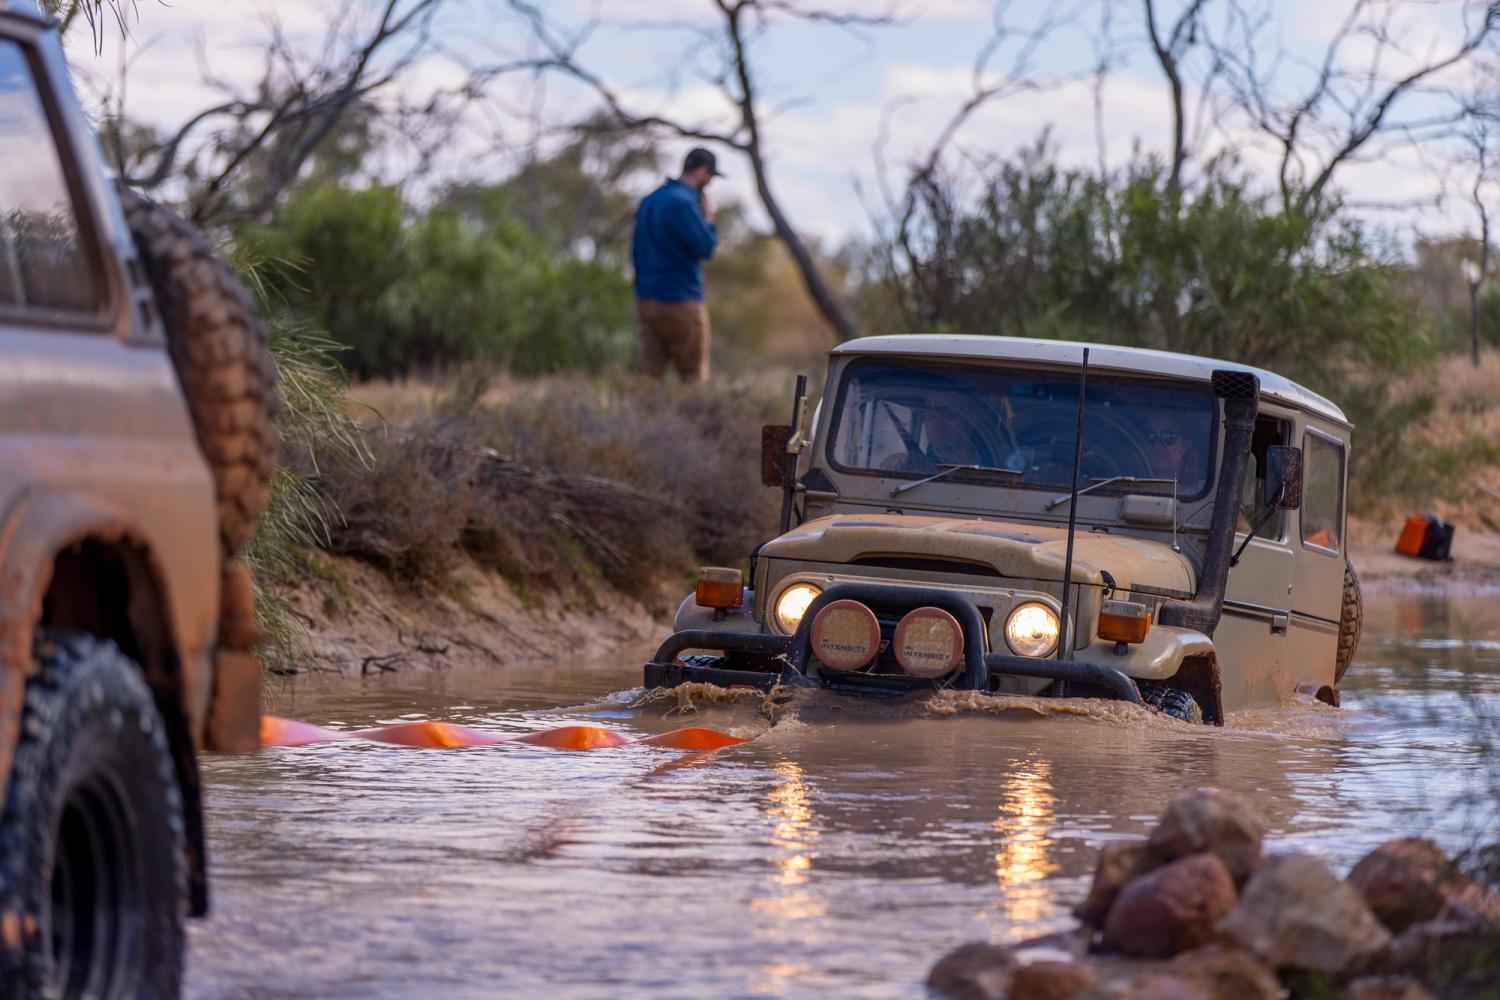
[[700, 157]]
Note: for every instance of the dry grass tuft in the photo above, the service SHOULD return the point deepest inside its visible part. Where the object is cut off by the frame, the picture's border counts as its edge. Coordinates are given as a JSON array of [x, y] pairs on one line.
[[559, 483]]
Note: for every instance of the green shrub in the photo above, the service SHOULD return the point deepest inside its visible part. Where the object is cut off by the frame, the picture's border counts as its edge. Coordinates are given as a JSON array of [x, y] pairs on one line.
[[1222, 270], [409, 292]]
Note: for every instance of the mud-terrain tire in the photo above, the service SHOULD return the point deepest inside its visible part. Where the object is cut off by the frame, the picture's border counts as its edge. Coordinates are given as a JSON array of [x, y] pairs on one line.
[[92, 858], [217, 341], [1174, 702], [1351, 621]]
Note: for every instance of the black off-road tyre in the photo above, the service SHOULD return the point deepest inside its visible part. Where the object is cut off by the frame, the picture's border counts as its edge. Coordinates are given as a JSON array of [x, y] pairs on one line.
[[1351, 621], [1173, 701], [217, 341], [92, 859]]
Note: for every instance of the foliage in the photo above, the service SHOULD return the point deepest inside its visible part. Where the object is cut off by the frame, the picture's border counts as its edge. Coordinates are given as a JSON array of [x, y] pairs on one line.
[[579, 201], [561, 484], [411, 291], [1222, 270]]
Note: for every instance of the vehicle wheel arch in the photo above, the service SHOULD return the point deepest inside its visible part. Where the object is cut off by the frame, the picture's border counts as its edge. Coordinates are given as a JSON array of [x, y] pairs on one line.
[[62, 552], [1198, 675]]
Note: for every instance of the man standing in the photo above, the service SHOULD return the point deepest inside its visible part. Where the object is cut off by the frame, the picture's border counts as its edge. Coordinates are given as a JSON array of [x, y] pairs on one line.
[[674, 235]]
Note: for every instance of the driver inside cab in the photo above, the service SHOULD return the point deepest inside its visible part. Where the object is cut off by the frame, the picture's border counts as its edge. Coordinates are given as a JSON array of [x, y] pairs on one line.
[[1171, 452], [943, 439]]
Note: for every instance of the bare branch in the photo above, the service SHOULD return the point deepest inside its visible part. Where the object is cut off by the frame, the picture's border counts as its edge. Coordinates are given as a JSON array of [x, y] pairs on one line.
[[1349, 100], [1169, 55], [728, 44]]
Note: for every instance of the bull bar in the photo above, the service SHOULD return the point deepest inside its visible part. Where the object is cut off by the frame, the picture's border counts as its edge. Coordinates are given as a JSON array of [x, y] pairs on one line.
[[794, 652]]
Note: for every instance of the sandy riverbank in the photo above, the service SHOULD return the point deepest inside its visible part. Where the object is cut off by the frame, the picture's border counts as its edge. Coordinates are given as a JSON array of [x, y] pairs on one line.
[[1475, 566], [360, 623]]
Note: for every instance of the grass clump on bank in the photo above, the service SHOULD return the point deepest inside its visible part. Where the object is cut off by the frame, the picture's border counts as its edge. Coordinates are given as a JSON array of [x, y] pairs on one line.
[[558, 484]]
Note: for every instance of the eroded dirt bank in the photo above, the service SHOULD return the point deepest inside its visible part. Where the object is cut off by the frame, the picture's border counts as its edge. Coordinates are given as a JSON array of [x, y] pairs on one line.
[[360, 622]]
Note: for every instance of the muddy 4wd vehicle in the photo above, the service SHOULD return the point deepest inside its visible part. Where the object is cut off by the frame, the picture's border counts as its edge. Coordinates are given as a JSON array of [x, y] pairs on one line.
[[135, 450], [953, 528]]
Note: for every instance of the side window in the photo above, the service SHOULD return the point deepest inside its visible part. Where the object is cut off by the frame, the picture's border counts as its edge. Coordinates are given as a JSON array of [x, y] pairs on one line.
[[1322, 491], [43, 264], [1268, 431]]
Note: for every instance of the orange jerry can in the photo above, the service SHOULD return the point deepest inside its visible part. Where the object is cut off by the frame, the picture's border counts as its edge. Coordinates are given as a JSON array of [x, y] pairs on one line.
[[1410, 542]]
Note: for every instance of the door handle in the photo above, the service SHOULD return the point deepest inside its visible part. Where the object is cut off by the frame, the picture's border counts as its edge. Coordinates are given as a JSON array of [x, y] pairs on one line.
[[1279, 622]]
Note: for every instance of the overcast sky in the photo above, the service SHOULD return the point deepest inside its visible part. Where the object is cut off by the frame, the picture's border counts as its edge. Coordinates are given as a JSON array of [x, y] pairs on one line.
[[837, 94]]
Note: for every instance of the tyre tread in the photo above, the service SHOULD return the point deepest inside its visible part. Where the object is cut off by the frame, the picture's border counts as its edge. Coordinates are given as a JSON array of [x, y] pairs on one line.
[[76, 675], [218, 346]]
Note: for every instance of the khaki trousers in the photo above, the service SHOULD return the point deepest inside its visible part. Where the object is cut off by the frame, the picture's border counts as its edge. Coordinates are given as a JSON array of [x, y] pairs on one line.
[[675, 332]]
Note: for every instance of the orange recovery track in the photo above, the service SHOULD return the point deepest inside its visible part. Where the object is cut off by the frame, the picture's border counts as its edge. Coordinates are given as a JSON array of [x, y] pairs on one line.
[[278, 732]]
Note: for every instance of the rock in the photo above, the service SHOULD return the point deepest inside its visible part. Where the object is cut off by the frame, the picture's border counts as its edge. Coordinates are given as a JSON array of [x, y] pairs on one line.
[[1410, 880], [1467, 901], [1453, 957], [1230, 973], [1401, 881], [1051, 981], [1387, 988], [1118, 863], [1293, 914], [1147, 981], [975, 971], [1215, 821], [1064, 946], [1171, 909]]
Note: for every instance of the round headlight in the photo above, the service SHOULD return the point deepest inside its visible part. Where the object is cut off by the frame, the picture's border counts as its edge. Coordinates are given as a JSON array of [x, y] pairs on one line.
[[1031, 630], [792, 605]]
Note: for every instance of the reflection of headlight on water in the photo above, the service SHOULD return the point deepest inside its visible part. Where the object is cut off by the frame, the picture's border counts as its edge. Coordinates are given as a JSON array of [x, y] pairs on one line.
[[792, 605], [1031, 630]]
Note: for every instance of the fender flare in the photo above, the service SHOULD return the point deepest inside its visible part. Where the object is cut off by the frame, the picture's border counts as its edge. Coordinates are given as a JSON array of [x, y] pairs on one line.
[[38, 528]]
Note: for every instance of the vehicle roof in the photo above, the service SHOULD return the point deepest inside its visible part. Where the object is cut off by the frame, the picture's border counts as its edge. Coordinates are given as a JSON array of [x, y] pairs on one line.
[[1106, 356]]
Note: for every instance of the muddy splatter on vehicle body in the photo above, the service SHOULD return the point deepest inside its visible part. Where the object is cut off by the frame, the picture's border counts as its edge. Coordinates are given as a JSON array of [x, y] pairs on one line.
[[136, 406], [931, 508]]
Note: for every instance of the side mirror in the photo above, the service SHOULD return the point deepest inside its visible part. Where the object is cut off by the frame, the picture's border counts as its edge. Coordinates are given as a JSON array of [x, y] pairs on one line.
[[774, 440], [1284, 476]]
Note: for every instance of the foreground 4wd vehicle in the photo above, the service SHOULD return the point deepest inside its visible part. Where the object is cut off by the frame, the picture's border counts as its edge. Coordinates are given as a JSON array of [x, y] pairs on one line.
[[135, 450], [953, 528]]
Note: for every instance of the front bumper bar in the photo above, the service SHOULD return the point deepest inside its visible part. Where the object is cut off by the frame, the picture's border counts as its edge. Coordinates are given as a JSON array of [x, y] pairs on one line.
[[793, 653]]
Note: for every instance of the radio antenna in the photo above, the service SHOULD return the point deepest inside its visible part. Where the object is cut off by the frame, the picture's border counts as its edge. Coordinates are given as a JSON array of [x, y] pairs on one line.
[[1064, 639]]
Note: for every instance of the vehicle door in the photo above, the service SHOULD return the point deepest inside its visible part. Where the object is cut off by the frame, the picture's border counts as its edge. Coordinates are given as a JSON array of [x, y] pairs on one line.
[[1252, 636], [1321, 554]]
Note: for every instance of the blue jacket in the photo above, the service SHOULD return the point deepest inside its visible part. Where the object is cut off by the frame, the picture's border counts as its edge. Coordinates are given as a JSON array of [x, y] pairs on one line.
[[670, 243]]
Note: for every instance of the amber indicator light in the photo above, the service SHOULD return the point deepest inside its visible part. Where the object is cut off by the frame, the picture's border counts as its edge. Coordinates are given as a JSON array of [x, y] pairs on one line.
[[720, 588], [1124, 621]]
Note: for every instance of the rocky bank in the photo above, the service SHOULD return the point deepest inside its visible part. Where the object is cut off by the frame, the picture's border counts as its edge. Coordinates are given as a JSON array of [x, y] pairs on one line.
[[1197, 911]]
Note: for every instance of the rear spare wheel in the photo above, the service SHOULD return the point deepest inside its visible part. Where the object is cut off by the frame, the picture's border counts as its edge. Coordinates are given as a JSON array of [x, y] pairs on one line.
[[92, 876], [218, 345], [1351, 619]]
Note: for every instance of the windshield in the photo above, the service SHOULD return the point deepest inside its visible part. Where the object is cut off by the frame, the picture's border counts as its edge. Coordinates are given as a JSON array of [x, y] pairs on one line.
[[909, 421]]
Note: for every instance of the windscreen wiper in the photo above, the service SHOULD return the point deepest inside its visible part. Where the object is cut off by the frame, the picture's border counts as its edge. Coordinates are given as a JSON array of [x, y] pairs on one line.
[[1099, 483], [948, 470]]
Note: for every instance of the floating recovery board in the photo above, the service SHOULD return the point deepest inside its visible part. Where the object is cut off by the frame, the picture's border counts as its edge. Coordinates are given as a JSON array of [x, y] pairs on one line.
[[278, 732]]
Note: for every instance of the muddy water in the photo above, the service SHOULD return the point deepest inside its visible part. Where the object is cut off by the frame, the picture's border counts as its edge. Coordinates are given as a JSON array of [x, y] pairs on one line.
[[838, 853]]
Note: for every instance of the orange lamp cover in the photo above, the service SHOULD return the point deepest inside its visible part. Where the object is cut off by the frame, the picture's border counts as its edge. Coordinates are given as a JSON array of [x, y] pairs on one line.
[[929, 642], [719, 587], [845, 635]]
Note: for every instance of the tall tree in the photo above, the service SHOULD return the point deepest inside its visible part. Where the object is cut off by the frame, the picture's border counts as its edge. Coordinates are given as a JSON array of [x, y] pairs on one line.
[[315, 105], [729, 40]]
